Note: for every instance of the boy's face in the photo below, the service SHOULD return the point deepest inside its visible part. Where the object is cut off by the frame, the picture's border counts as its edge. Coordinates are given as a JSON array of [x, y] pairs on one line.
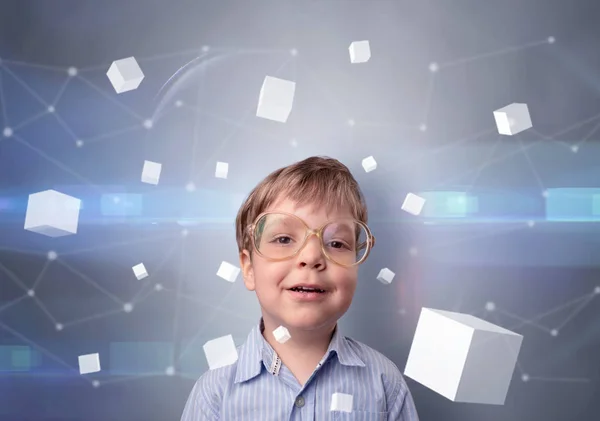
[[272, 280]]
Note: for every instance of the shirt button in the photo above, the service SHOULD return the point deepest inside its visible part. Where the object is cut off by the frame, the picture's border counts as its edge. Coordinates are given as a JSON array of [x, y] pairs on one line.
[[299, 402]]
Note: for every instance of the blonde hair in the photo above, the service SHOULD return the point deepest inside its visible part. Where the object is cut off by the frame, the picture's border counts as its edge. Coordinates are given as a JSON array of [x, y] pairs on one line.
[[318, 180]]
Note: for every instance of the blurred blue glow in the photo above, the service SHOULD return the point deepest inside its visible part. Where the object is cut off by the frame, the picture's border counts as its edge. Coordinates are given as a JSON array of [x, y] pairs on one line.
[[573, 204]]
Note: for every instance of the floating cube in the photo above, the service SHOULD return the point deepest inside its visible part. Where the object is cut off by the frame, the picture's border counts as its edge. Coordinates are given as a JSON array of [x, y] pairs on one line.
[[125, 75], [228, 272], [360, 52], [140, 271], [89, 363], [220, 352], [413, 204], [512, 119], [281, 334], [463, 358], [341, 402], [52, 213], [276, 99], [369, 164], [386, 276], [151, 172], [222, 170]]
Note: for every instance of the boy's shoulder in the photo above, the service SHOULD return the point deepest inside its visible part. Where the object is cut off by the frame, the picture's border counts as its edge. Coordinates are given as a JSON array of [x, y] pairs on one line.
[[374, 360]]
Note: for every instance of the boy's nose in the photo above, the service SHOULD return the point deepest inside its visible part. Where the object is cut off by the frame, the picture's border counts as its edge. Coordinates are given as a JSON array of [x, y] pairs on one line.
[[311, 254]]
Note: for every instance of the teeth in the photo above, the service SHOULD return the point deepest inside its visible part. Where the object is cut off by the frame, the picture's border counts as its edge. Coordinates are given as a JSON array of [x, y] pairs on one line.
[[302, 289]]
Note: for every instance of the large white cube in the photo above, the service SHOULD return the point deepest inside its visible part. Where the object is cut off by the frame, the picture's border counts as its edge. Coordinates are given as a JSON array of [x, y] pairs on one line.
[[125, 75], [151, 172], [276, 99], [463, 358], [220, 352], [413, 204], [512, 119], [360, 52], [52, 213], [369, 164], [341, 402], [89, 363], [221, 170], [228, 272]]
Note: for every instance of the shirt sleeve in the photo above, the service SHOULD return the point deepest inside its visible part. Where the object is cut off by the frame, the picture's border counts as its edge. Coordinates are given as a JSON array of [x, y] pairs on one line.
[[203, 402], [401, 406]]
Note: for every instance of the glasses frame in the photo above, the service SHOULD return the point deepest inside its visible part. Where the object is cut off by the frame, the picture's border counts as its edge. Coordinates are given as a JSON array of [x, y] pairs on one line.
[[251, 230]]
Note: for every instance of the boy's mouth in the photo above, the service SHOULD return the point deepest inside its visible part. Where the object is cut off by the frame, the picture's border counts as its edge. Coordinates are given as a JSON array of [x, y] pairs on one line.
[[307, 289]]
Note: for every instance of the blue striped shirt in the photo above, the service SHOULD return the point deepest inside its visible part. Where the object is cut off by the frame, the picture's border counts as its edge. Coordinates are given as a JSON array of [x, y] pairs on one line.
[[258, 387]]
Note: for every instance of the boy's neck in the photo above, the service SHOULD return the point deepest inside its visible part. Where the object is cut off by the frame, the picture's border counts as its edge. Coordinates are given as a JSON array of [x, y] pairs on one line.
[[303, 348]]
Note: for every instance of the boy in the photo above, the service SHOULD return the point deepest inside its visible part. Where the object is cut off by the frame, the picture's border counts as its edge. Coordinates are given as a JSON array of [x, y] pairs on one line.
[[304, 284]]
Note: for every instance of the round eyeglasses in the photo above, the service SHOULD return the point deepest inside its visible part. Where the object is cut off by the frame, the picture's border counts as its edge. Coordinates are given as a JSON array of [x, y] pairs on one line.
[[279, 236]]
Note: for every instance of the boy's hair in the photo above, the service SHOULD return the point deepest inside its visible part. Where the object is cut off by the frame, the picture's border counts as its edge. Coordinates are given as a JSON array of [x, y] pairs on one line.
[[318, 180]]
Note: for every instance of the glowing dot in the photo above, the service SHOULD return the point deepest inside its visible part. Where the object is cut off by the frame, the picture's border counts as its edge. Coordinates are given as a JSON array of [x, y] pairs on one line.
[[190, 187], [351, 122], [205, 48], [95, 383], [530, 223], [179, 103], [148, 124], [434, 67], [413, 251], [423, 127], [79, 143], [554, 332], [402, 312], [8, 132], [575, 148], [490, 306], [51, 109], [59, 327], [551, 40], [52, 255], [128, 307], [597, 290], [184, 232], [31, 293], [294, 52], [294, 143], [545, 193], [72, 71], [158, 287], [170, 371]]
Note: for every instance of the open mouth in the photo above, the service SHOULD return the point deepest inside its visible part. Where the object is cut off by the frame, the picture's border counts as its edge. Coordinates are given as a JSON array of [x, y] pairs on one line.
[[308, 290]]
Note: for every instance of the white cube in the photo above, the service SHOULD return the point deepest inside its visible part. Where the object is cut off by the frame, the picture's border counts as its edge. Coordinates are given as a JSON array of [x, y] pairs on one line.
[[228, 272], [512, 119], [125, 75], [140, 271], [89, 363], [276, 99], [222, 170], [282, 335], [151, 172], [413, 204], [220, 352], [360, 52], [52, 213], [463, 358], [341, 402], [386, 276], [369, 164]]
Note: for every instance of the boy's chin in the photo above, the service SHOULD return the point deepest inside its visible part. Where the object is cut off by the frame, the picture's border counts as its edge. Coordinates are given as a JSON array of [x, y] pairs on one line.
[[309, 323]]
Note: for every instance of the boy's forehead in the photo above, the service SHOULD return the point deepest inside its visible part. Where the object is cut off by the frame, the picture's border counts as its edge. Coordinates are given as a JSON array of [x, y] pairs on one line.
[[313, 209]]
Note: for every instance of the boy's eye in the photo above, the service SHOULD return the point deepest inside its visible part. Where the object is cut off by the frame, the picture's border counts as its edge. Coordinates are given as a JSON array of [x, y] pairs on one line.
[[282, 239]]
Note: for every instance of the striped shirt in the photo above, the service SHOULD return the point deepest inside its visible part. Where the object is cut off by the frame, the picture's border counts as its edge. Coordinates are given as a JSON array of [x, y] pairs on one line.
[[258, 387]]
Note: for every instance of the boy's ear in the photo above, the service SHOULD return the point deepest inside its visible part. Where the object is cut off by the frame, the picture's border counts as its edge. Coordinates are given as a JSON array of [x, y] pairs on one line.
[[247, 270]]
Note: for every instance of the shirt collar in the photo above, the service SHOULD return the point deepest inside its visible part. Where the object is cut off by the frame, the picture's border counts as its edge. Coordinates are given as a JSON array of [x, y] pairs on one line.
[[258, 353]]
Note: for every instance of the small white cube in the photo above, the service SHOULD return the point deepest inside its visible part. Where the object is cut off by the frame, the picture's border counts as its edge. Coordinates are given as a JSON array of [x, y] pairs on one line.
[[151, 172], [222, 170], [369, 164], [220, 352], [386, 276], [281, 334], [341, 402], [228, 272], [89, 363], [360, 52], [140, 271], [413, 204], [276, 99], [52, 213], [512, 119], [125, 75], [463, 358]]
